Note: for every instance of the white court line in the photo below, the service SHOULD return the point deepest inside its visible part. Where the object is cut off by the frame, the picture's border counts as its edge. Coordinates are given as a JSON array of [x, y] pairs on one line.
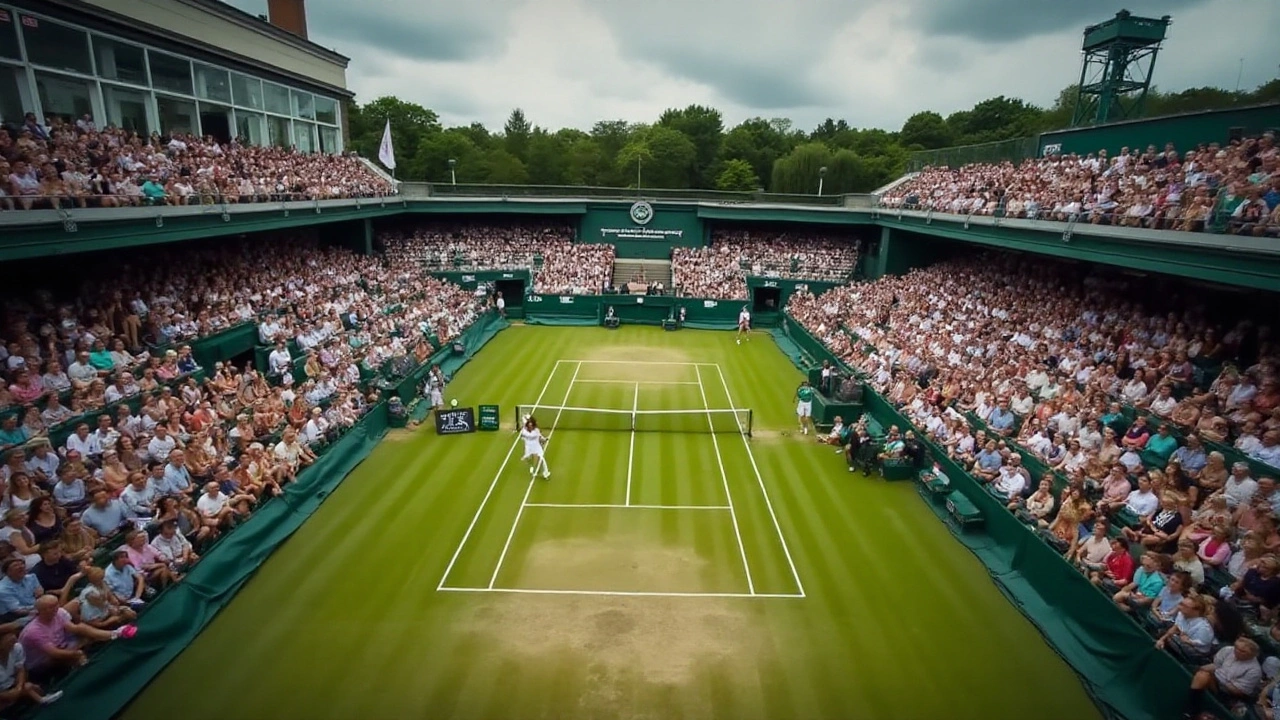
[[449, 568], [631, 454], [615, 506], [623, 593], [724, 478], [760, 480], [633, 362], [641, 382], [516, 523]]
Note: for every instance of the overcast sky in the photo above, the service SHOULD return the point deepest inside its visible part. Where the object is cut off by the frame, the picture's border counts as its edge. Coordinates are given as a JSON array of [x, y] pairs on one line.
[[873, 63]]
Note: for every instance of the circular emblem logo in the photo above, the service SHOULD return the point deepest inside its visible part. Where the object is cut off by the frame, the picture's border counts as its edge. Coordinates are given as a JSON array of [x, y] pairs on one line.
[[641, 213]]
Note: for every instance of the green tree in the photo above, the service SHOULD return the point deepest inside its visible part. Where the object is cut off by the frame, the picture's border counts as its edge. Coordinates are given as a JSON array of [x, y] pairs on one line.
[[661, 156], [704, 127], [410, 125], [547, 158], [502, 168], [737, 175], [757, 141], [432, 161], [926, 129], [516, 134], [798, 172]]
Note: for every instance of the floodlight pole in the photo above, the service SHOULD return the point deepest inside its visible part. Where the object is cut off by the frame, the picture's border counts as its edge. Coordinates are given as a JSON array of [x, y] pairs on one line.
[[453, 176], [822, 175]]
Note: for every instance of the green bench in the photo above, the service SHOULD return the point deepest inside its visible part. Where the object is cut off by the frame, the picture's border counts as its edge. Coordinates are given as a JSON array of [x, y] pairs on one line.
[[933, 487], [964, 512], [897, 469]]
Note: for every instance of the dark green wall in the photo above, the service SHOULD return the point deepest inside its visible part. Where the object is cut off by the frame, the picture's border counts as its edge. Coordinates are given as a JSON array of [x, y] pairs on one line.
[[1184, 131], [670, 226]]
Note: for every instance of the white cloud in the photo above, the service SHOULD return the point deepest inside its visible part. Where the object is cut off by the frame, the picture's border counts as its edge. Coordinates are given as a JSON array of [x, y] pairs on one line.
[[569, 63]]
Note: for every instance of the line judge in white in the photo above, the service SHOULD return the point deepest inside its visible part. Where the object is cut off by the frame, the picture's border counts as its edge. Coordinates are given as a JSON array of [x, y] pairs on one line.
[[534, 446]]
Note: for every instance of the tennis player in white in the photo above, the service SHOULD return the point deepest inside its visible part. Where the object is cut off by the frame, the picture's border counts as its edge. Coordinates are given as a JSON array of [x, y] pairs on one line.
[[534, 443], [744, 325]]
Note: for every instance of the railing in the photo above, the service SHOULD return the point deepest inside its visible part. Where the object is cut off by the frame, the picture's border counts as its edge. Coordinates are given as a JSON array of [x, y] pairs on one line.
[[1015, 151], [68, 217], [468, 190]]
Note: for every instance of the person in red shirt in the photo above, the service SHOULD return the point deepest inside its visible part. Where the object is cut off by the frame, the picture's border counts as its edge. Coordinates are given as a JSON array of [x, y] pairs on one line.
[[1120, 566]]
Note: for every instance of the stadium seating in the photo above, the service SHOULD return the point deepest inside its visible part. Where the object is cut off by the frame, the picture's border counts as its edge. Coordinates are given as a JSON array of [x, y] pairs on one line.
[[63, 165], [960, 346], [720, 270], [1233, 188]]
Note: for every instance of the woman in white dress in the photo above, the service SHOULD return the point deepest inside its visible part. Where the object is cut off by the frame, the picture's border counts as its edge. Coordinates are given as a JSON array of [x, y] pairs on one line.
[[533, 447]]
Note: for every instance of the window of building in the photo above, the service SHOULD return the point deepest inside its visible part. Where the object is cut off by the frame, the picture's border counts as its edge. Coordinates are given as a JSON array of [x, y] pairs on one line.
[[56, 46], [304, 136], [170, 73], [9, 36], [176, 115], [250, 128], [127, 108], [13, 81], [329, 140], [303, 106], [276, 98], [215, 120], [212, 84], [64, 97], [246, 91], [326, 110], [278, 131], [120, 61]]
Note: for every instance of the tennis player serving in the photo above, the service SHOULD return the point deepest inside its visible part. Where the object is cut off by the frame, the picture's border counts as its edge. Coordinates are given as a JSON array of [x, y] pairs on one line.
[[534, 444], [744, 325]]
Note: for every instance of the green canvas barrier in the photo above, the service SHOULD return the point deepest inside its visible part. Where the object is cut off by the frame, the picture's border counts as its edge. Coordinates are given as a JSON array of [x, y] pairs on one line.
[[1115, 658], [700, 313], [122, 669], [471, 279]]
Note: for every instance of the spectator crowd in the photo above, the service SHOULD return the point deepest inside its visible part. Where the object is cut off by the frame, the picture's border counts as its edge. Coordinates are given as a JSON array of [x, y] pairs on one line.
[[560, 266], [74, 165], [1233, 187], [720, 270], [1127, 424], [124, 460]]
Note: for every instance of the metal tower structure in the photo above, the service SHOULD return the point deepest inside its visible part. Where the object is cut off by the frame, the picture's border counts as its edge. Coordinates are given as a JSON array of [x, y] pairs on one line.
[[1119, 58]]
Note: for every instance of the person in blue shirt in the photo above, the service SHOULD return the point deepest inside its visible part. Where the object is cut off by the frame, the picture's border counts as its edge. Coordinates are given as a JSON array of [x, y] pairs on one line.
[[1002, 418], [987, 463], [1191, 457], [106, 515], [124, 579], [18, 592], [11, 433], [1147, 583]]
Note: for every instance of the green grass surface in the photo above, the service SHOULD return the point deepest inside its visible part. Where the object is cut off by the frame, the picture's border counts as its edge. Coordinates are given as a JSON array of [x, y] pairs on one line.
[[883, 615]]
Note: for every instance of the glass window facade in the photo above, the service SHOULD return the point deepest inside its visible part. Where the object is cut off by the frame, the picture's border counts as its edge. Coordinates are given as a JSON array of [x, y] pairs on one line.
[[139, 88], [56, 46], [9, 35], [120, 61]]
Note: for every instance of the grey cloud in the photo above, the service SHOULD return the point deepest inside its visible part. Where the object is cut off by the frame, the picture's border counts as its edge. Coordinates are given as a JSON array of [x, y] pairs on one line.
[[431, 30], [754, 52], [1010, 20]]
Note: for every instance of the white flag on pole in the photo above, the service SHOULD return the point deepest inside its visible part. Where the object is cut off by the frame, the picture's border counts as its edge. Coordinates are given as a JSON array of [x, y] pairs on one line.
[[386, 154]]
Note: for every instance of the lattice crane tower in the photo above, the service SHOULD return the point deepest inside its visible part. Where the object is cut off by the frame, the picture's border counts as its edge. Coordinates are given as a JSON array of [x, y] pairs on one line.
[[1119, 58]]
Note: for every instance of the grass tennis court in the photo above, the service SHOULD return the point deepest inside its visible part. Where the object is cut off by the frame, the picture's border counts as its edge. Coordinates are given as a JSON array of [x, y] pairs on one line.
[[665, 572]]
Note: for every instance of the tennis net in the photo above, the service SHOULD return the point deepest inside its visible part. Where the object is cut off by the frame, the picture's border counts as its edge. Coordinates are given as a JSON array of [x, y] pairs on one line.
[[737, 420]]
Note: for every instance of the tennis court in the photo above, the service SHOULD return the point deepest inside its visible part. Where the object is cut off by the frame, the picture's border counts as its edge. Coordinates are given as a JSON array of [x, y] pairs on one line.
[[696, 574], [641, 413]]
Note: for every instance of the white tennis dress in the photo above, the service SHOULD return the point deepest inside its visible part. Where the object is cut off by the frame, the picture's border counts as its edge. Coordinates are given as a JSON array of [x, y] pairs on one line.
[[532, 442]]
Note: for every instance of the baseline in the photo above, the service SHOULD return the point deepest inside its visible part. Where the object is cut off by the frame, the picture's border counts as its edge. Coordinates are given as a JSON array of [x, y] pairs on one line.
[[488, 493], [615, 506], [746, 443], [624, 593], [638, 382]]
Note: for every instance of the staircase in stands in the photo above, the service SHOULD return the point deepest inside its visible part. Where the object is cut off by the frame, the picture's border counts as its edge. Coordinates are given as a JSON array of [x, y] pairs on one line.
[[627, 270]]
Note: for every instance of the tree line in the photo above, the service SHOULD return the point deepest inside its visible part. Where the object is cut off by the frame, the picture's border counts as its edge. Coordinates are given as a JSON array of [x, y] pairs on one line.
[[692, 148]]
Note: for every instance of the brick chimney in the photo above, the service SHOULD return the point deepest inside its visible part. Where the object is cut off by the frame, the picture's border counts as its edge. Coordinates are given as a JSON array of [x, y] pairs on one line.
[[288, 15]]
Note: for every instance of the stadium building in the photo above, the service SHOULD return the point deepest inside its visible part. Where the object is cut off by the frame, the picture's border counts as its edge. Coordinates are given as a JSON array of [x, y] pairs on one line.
[[186, 66], [733, 567]]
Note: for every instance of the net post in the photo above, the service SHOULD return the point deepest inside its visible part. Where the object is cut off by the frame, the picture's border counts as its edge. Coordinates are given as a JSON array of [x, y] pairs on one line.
[[750, 419]]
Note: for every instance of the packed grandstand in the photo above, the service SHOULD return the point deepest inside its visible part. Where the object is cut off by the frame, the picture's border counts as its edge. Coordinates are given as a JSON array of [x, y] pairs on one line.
[[1233, 187], [64, 165], [1140, 412]]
